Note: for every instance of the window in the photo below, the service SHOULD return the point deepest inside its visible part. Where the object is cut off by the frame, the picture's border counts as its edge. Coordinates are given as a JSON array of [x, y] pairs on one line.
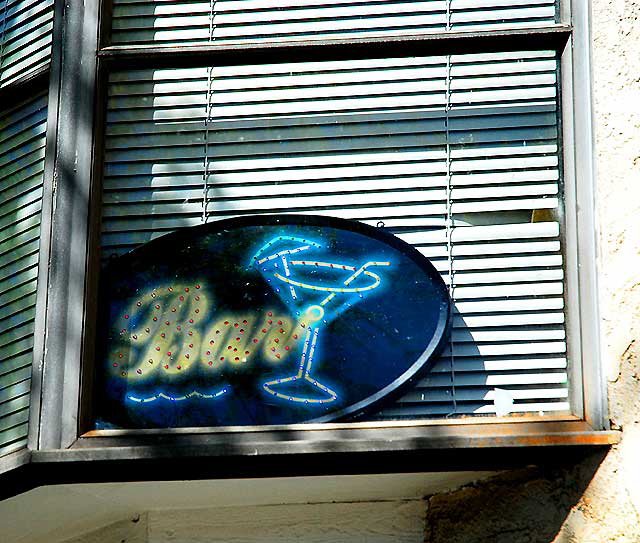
[[25, 48], [457, 153], [443, 122]]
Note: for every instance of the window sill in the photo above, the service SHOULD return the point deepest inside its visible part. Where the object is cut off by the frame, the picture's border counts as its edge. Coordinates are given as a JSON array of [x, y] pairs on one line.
[[492, 446]]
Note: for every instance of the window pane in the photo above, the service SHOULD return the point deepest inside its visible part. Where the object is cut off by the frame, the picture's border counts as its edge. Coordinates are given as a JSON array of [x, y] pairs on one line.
[[173, 22], [25, 38], [22, 143], [456, 155]]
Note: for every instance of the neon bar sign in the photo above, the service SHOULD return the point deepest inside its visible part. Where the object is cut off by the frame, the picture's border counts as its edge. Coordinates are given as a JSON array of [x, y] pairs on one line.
[[265, 320]]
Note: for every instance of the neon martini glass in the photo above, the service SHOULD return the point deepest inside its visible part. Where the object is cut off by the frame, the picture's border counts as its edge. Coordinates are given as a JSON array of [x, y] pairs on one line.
[[278, 269]]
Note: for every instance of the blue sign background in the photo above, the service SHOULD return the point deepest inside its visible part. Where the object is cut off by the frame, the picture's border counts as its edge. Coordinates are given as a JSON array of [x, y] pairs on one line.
[[262, 321]]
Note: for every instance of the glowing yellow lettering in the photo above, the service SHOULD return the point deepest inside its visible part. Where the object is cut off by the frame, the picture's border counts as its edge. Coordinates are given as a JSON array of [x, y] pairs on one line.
[[227, 341], [159, 332], [235, 338]]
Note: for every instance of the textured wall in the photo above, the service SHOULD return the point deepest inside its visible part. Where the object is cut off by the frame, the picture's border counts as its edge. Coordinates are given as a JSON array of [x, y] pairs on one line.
[[596, 499], [363, 522]]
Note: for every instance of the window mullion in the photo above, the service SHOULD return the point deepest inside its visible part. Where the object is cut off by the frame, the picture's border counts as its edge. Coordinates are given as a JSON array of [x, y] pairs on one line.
[[71, 175], [551, 37]]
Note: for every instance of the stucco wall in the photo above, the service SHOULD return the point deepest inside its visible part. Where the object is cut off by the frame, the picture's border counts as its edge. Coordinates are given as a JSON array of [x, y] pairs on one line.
[[596, 499]]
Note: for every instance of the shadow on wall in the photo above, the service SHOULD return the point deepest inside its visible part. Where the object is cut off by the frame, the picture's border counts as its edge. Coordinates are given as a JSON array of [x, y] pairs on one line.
[[529, 505]]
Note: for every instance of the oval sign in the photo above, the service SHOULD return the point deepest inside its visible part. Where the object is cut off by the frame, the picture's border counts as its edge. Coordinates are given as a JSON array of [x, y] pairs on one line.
[[265, 320]]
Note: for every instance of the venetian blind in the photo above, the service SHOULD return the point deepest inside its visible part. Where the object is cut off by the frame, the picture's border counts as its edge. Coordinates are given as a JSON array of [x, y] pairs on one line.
[[25, 38], [22, 145], [457, 155], [171, 22]]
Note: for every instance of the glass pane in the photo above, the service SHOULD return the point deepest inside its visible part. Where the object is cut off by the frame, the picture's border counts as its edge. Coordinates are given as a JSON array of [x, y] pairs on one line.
[[22, 143], [180, 22], [25, 38], [455, 155]]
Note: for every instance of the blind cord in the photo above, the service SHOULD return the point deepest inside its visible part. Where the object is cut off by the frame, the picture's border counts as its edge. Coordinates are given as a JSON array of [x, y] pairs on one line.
[[206, 172], [212, 14], [449, 225]]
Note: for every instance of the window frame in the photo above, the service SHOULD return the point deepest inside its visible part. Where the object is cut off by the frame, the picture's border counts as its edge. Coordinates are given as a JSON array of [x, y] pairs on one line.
[[62, 377]]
